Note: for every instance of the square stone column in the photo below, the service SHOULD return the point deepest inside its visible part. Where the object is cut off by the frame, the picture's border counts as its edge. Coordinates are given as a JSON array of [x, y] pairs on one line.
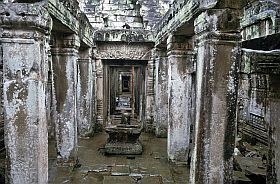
[[100, 123], [161, 93], [149, 125], [273, 170], [65, 56], [218, 57], [85, 86], [181, 92], [25, 62]]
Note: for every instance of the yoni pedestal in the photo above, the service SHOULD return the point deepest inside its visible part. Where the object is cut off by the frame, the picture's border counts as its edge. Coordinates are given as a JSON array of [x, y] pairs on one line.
[[124, 140]]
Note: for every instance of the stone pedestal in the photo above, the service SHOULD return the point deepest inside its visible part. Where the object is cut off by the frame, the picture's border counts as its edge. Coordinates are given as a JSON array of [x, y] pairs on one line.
[[65, 56], [181, 67], [218, 57], [23, 39], [124, 140]]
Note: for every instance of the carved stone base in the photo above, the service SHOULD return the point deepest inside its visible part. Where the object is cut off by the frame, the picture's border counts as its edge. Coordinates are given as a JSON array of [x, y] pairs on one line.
[[124, 148]]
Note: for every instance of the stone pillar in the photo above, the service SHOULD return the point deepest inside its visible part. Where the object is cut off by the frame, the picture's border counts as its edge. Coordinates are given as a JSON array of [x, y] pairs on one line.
[[150, 96], [2, 144], [51, 100], [24, 40], [218, 57], [85, 93], [273, 175], [99, 95], [65, 56], [161, 93], [181, 67]]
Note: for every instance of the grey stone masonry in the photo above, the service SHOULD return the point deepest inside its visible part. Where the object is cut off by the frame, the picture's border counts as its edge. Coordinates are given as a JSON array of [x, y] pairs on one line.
[[180, 83], [24, 29], [65, 56], [218, 57], [161, 93], [85, 95]]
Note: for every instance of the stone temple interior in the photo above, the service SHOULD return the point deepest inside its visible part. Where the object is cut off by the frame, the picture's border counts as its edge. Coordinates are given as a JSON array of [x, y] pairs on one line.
[[140, 91]]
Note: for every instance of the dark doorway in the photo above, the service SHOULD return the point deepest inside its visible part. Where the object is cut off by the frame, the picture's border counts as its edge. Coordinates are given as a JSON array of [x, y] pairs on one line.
[[124, 88]]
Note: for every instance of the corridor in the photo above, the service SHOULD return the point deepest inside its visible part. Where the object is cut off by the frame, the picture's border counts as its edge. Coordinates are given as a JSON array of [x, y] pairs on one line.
[[152, 167]]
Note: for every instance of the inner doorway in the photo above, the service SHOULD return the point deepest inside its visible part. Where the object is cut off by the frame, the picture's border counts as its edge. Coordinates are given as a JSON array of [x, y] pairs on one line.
[[124, 89]]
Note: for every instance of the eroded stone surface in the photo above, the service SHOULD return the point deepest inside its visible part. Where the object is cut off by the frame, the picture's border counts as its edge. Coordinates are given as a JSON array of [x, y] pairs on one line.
[[185, 61], [143, 168]]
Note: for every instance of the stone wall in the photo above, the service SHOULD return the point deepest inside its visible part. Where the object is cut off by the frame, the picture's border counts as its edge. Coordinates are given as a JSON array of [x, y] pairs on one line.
[[258, 95], [137, 14]]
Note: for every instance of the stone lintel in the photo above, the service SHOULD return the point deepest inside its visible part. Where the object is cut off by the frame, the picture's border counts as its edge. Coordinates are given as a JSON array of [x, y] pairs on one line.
[[123, 51], [63, 15], [123, 35], [86, 31], [176, 17], [266, 62]]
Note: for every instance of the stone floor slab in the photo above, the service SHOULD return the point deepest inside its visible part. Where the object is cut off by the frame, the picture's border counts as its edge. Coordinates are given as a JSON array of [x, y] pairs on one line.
[[151, 180], [120, 170], [96, 165], [118, 180]]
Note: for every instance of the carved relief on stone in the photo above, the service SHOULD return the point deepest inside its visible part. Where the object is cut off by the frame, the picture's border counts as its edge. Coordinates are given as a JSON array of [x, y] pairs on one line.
[[22, 34], [264, 62], [124, 51], [124, 35], [260, 19]]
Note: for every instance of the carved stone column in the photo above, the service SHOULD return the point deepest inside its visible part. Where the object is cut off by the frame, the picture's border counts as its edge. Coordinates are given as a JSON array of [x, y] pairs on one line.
[[24, 29], [99, 95], [85, 93], [65, 56], [273, 170], [150, 96], [161, 93], [181, 67], [218, 57]]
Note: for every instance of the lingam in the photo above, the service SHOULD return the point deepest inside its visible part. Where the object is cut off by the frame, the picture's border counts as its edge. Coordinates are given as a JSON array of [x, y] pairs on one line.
[[124, 138]]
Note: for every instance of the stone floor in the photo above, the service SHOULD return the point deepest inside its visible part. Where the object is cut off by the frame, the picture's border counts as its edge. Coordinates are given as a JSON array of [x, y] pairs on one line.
[[151, 167]]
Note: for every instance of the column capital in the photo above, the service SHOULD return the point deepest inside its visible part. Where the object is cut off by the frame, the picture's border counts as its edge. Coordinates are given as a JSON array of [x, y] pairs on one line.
[[24, 16], [175, 42], [218, 21], [160, 52], [70, 41]]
